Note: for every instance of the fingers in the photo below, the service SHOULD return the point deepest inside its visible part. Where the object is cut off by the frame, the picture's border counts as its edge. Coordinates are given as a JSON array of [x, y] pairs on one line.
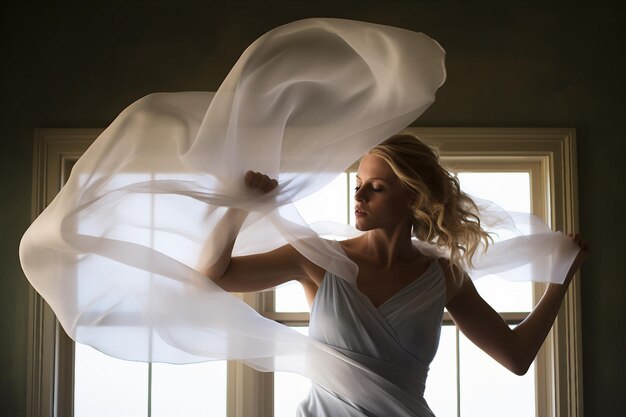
[[584, 245], [259, 181]]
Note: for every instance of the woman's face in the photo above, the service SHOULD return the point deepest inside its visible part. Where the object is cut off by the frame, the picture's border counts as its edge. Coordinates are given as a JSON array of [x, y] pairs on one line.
[[381, 200]]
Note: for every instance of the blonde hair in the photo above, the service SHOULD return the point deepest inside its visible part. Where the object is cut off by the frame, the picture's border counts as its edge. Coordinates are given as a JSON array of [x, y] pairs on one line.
[[442, 214]]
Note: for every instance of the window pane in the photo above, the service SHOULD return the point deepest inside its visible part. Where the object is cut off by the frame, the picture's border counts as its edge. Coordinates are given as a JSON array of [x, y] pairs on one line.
[[105, 386], [328, 204], [441, 383], [490, 390], [195, 390], [290, 297], [290, 389], [511, 191], [505, 296]]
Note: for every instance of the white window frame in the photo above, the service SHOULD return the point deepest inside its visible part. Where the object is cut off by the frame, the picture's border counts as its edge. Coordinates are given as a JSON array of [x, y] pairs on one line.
[[550, 151], [552, 154]]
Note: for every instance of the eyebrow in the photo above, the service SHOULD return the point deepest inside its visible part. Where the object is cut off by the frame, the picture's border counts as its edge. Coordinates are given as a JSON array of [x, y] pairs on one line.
[[377, 179]]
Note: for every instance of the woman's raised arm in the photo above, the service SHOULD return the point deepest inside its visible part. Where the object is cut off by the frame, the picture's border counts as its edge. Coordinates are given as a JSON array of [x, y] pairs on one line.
[[254, 272], [513, 348]]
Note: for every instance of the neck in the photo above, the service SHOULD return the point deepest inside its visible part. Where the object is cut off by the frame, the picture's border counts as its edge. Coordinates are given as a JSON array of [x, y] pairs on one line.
[[388, 247]]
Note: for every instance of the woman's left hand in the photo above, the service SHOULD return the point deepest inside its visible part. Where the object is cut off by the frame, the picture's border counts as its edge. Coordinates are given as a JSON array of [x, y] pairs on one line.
[[259, 181], [583, 253]]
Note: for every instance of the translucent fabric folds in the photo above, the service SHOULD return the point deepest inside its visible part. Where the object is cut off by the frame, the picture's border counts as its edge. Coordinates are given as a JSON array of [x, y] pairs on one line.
[[115, 253]]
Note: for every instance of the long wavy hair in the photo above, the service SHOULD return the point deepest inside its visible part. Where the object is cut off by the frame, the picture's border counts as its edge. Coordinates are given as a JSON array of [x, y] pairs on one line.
[[443, 215]]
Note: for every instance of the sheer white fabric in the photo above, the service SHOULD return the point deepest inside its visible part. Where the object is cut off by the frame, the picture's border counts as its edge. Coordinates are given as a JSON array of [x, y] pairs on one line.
[[114, 253]]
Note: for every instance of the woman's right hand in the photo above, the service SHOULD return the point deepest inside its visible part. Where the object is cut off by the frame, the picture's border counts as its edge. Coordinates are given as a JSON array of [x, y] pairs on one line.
[[259, 181]]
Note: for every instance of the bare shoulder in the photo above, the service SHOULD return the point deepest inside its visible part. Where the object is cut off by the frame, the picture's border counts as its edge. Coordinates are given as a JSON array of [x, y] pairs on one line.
[[347, 243], [352, 247], [455, 278], [312, 274]]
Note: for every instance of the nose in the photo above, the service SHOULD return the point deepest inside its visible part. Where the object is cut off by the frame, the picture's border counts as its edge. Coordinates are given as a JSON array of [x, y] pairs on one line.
[[360, 195]]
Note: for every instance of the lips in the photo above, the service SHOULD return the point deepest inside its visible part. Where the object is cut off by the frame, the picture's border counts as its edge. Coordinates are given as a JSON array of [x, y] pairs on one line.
[[358, 211]]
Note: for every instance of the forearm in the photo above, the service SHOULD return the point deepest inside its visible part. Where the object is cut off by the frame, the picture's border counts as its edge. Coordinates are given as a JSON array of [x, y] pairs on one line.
[[216, 253], [517, 348], [531, 333]]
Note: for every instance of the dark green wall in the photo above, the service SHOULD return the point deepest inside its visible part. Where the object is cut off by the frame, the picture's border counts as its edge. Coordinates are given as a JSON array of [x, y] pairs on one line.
[[519, 64]]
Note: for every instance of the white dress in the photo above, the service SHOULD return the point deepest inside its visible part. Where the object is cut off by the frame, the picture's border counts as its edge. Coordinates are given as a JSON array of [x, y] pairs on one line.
[[396, 340]]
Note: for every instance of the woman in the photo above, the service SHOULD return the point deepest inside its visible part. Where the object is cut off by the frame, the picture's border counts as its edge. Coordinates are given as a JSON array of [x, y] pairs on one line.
[[402, 191], [114, 254]]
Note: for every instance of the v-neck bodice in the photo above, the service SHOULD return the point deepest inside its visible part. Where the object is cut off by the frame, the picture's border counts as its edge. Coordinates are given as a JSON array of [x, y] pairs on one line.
[[397, 340], [405, 288], [344, 317]]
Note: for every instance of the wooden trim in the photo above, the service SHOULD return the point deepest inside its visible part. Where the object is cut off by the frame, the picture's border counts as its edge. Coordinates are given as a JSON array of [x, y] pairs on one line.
[[49, 372], [568, 346], [302, 317], [250, 393]]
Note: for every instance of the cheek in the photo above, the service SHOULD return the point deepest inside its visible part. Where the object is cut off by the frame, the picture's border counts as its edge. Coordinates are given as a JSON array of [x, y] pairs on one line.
[[393, 209], [401, 201], [402, 207]]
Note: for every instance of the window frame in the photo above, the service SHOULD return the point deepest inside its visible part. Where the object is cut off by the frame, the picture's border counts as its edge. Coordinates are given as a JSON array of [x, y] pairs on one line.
[[550, 151], [553, 152]]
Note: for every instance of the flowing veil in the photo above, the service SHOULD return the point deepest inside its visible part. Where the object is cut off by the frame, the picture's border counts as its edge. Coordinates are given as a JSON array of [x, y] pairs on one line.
[[114, 253]]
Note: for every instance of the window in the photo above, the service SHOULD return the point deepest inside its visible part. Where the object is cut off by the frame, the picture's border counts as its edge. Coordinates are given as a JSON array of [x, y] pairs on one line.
[[541, 158]]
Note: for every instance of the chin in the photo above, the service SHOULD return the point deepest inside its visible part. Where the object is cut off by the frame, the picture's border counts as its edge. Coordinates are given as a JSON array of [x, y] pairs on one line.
[[363, 227]]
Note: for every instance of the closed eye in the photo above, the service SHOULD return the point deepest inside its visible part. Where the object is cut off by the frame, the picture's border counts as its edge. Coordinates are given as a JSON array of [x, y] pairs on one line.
[[376, 190]]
